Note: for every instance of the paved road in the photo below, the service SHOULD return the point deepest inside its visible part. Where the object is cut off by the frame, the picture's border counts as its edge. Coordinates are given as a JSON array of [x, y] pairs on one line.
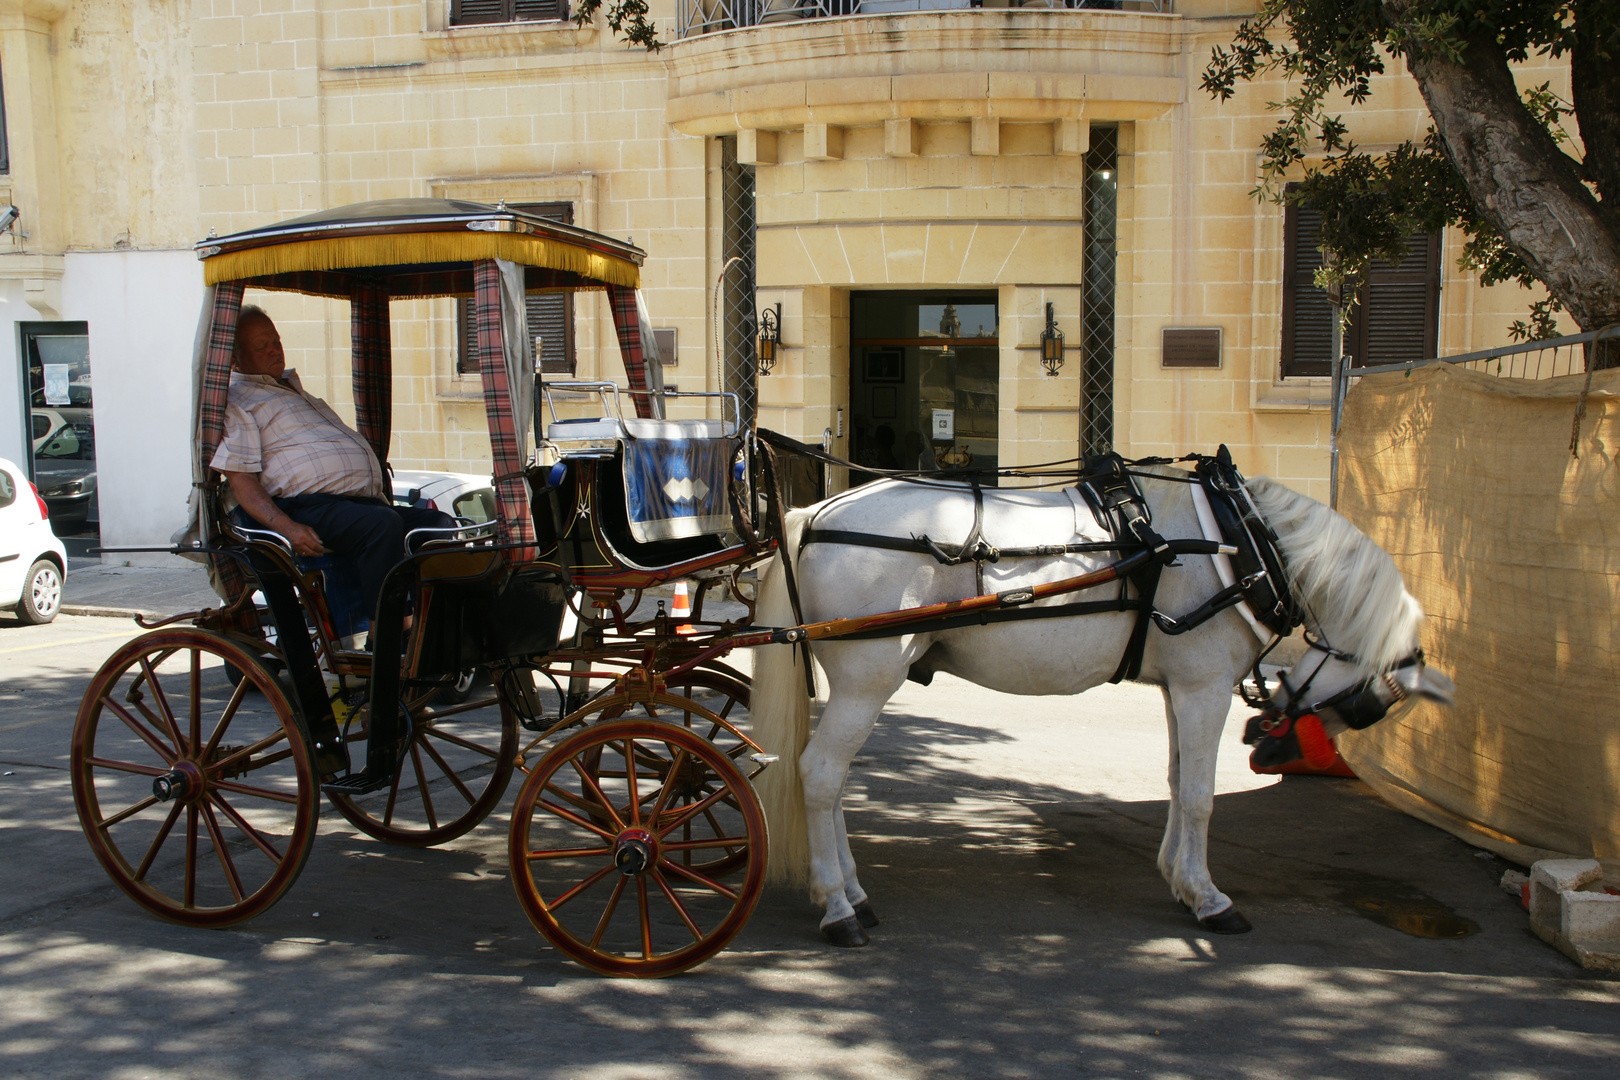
[[1008, 844]]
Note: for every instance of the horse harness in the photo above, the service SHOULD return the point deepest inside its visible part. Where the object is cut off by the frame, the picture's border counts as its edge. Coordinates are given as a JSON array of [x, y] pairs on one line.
[[1108, 486]]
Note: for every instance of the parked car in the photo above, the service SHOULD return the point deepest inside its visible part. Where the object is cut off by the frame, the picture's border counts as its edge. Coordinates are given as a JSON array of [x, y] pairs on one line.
[[33, 562], [65, 464], [461, 495]]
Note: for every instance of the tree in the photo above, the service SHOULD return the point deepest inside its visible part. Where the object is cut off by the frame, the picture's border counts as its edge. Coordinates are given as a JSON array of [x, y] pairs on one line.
[[1498, 163]]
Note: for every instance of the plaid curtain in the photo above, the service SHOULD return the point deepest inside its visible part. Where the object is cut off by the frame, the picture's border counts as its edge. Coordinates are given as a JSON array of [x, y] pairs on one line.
[[372, 354], [627, 321], [517, 526], [215, 382]]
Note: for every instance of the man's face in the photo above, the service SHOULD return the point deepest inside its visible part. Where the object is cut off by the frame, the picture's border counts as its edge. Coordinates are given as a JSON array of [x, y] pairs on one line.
[[260, 352]]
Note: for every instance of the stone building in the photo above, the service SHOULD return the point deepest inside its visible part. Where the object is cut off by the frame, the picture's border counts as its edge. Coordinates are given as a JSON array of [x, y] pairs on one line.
[[917, 184]]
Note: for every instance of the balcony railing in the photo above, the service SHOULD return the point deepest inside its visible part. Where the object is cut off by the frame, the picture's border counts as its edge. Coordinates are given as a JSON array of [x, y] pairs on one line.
[[706, 16]]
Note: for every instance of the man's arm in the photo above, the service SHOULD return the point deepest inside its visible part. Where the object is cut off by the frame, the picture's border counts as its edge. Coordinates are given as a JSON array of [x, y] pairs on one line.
[[250, 493]]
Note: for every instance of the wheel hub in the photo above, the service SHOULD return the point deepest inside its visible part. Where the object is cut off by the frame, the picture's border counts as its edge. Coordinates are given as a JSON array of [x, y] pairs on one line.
[[635, 851], [183, 782]]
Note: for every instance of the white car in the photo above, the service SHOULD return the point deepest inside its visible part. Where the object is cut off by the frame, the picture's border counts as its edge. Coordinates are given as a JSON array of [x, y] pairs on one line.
[[461, 495], [33, 562]]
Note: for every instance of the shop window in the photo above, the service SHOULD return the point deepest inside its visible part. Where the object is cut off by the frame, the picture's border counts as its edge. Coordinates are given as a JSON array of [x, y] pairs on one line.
[[551, 315], [473, 12], [1396, 317]]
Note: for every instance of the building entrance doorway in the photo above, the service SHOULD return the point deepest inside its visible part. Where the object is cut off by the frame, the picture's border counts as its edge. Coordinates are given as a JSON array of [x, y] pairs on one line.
[[56, 358], [923, 385]]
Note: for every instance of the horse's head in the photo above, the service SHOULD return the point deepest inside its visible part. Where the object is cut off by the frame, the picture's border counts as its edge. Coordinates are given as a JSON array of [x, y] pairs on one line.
[[1329, 691]]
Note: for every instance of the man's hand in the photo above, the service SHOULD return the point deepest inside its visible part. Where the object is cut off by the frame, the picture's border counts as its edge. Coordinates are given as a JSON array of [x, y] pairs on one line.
[[250, 493]]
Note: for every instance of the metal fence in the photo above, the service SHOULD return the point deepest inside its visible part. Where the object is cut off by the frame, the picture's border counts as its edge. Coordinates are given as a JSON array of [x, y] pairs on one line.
[[707, 16], [1545, 359]]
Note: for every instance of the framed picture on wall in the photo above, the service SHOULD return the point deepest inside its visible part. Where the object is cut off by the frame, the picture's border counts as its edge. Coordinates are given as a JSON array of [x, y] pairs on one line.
[[885, 365], [883, 402]]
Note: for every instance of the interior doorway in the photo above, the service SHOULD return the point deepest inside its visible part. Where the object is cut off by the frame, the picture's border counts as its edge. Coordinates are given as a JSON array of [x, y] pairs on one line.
[[924, 380]]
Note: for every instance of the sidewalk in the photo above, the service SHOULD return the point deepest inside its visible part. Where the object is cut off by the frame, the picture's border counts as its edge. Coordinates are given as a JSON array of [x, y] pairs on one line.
[[127, 591]]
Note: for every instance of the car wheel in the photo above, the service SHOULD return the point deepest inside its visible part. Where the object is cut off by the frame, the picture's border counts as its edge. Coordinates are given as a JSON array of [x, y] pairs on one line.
[[42, 593]]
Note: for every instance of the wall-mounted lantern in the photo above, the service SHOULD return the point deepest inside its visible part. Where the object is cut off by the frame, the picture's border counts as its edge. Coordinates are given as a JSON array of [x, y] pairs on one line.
[[770, 338], [1051, 344]]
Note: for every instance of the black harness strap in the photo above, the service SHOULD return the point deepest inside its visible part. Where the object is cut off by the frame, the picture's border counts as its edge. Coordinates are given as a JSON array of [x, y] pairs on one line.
[[1001, 615], [951, 554]]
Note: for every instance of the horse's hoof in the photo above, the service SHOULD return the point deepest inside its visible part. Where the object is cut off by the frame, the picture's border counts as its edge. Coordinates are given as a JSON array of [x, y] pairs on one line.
[[865, 915], [846, 933], [1230, 921]]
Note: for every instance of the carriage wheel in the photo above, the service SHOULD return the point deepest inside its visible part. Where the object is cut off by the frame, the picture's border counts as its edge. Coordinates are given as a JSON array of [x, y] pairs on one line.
[[601, 858], [199, 799], [716, 694], [455, 772]]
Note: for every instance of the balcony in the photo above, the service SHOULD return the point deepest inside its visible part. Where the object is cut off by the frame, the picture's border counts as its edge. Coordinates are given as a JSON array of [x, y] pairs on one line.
[[695, 17]]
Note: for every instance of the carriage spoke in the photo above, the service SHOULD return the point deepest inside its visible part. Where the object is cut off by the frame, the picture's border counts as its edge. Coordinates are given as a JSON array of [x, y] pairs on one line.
[[582, 886], [191, 855], [236, 757], [690, 812], [128, 812], [231, 876], [607, 912], [465, 744], [728, 842], [707, 883], [680, 908], [421, 785], [146, 734], [444, 767], [567, 853], [247, 830], [589, 781], [162, 701], [238, 693], [570, 816], [255, 792], [157, 843], [666, 789], [646, 920], [196, 697], [125, 766], [630, 781]]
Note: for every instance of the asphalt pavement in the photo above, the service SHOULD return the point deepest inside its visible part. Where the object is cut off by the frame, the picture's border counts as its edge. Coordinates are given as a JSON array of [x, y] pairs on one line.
[[1007, 843]]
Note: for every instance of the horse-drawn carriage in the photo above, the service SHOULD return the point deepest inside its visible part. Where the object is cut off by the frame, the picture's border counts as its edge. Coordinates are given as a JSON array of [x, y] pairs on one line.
[[637, 843]]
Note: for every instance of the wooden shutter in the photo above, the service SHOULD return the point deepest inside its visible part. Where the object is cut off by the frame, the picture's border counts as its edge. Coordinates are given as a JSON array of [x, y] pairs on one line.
[[471, 12], [1396, 318], [1307, 345], [551, 315]]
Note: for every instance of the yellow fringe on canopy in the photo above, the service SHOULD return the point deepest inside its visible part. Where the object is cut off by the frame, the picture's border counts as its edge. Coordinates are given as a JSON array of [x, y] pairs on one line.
[[395, 249]]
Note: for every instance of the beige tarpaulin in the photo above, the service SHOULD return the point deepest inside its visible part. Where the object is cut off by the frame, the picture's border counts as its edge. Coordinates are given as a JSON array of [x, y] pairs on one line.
[[1513, 547]]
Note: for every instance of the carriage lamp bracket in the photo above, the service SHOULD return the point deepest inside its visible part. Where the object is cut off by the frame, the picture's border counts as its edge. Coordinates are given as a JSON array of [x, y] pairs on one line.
[[770, 338], [1051, 344]]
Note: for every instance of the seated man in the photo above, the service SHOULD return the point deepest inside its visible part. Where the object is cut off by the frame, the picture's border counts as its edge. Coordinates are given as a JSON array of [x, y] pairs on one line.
[[296, 468]]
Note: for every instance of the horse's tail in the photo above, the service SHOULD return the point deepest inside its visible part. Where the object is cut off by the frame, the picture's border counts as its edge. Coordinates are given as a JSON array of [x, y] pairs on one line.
[[780, 707]]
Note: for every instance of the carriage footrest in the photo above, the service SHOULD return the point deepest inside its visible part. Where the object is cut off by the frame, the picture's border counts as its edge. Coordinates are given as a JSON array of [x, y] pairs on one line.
[[360, 783]]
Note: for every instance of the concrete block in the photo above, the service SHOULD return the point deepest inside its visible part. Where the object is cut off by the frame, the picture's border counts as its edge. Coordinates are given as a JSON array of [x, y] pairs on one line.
[[1570, 911], [1591, 917], [823, 142], [756, 147]]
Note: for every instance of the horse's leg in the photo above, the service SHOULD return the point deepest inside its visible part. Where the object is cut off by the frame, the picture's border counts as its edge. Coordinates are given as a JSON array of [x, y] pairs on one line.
[[1170, 849], [852, 887], [1199, 714], [845, 724]]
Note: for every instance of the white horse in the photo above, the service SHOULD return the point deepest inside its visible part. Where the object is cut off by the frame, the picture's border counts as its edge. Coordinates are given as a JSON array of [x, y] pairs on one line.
[[1353, 596]]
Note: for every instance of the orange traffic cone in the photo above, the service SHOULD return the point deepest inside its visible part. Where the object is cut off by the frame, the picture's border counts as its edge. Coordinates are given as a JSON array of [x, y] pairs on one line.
[[681, 610]]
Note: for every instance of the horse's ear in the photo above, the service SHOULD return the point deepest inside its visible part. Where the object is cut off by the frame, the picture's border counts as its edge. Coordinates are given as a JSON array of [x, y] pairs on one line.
[[1223, 455], [1436, 686]]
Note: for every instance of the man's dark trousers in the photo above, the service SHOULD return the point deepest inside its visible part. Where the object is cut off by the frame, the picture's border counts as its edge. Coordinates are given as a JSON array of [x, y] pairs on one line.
[[367, 533]]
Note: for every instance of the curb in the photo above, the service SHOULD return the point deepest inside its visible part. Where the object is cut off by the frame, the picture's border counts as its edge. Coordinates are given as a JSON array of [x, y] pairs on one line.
[[103, 612]]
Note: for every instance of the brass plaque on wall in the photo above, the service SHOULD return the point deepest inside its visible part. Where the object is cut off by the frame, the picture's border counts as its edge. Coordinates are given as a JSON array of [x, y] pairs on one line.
[[1185, 347]]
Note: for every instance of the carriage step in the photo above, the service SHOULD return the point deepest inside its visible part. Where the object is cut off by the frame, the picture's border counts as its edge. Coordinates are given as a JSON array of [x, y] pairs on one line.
[[360, 783]]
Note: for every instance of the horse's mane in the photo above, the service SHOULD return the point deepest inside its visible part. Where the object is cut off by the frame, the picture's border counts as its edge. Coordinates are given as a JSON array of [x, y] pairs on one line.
[[1344, 579]]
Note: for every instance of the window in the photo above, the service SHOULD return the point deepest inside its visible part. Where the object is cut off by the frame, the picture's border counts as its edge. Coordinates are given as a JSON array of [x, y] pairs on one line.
[[5, 143], [551, 315], [1396, 317], [471, 12]]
